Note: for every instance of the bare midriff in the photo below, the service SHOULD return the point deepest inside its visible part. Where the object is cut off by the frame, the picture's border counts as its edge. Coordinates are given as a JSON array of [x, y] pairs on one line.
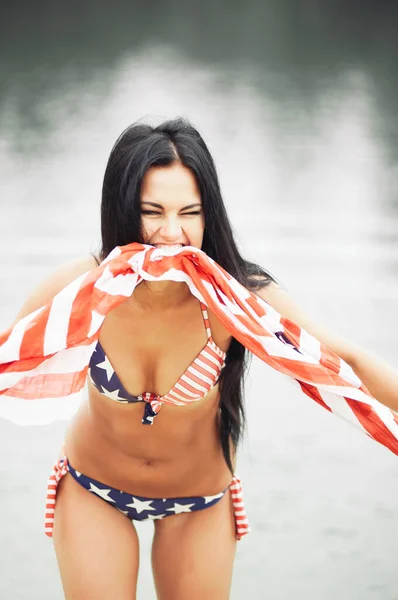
[[180, 454]]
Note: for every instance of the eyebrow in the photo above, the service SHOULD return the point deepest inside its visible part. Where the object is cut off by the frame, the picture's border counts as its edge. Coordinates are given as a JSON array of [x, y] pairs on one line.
[[160, 206]]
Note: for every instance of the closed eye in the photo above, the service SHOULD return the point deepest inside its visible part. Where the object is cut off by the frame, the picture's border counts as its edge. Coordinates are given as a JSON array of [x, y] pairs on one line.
[[153, 212]]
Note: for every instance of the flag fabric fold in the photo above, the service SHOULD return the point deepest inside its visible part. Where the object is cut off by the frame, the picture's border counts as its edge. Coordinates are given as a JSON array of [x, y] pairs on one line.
[[46, 354]]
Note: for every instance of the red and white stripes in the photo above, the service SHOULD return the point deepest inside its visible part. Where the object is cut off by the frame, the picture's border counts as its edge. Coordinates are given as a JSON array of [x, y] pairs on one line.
[[38, 360], [241, 520], [59, 470]]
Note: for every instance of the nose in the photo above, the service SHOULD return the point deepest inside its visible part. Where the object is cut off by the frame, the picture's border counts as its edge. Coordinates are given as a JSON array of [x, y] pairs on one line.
[[171, 228]]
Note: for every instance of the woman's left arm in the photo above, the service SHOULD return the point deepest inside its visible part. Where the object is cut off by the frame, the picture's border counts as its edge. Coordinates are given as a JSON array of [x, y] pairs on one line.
[[378, 376]]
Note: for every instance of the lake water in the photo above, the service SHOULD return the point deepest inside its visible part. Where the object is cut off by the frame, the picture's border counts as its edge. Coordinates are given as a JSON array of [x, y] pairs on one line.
[[297, 102]]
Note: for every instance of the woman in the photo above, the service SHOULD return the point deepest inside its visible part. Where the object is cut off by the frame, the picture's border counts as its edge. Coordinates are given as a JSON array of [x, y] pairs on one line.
[[161, 189]]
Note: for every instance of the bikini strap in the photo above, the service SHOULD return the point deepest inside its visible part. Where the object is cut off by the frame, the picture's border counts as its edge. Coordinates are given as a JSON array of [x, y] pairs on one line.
[[206, 321]]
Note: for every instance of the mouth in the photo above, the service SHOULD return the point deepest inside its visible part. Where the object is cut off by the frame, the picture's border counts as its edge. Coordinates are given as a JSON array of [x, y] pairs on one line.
[[168, 245], [169, 248]]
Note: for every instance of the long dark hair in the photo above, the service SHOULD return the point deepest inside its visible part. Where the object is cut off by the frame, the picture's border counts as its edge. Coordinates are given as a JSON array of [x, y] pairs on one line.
[[139, 148]]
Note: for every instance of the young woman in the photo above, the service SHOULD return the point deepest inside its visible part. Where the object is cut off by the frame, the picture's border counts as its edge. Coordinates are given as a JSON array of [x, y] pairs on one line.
[[125, 461]]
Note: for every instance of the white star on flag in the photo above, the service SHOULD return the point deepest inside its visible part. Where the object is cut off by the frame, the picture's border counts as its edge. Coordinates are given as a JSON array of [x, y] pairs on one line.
[[114, 395], [181, 508], [106, 365], [141, 505], [208, 499], [101, 492], [78, 473], [154, 517]]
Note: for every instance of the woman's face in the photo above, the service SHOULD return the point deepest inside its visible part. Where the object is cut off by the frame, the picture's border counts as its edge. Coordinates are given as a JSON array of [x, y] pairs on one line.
[[171, 207]]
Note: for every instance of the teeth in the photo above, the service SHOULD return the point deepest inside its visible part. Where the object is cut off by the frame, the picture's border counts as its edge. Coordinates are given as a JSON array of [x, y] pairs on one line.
[[168, 247]]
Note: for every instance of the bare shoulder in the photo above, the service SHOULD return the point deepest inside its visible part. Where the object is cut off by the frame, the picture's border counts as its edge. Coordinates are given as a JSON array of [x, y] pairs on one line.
[[277, 297], [285, 305], [54, 283]]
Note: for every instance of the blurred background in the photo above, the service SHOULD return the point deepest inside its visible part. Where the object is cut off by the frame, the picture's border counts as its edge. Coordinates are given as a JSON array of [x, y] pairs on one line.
[[297, 100]]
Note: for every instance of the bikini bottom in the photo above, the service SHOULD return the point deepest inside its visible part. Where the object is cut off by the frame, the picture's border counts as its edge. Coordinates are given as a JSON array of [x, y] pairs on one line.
[[138, 508]]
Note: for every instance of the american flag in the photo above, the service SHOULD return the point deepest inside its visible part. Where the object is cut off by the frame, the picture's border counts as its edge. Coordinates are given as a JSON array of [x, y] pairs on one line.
[[46, 354]]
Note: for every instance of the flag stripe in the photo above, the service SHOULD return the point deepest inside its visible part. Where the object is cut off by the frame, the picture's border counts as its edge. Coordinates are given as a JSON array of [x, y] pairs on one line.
[[30, 370]]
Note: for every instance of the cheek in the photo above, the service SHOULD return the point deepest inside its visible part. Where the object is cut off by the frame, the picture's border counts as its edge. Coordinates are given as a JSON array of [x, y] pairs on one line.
[[196, 230], [147, 229], [202, 227]]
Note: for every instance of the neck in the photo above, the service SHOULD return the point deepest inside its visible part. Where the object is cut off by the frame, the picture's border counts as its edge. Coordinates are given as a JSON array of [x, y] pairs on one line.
[[160, 295]]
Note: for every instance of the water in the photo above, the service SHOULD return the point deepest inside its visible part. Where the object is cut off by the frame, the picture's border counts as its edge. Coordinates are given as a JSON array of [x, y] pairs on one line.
[[298, 105]]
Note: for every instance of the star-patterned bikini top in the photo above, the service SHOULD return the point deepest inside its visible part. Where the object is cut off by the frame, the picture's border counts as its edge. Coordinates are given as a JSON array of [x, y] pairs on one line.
[[199, 378]]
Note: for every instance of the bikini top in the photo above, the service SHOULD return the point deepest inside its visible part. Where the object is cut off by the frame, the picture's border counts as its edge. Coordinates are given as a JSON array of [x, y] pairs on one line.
[[199, 378]]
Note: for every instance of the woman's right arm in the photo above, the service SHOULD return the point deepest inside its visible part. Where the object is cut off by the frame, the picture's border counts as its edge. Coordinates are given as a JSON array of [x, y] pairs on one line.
[[54, 283]]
